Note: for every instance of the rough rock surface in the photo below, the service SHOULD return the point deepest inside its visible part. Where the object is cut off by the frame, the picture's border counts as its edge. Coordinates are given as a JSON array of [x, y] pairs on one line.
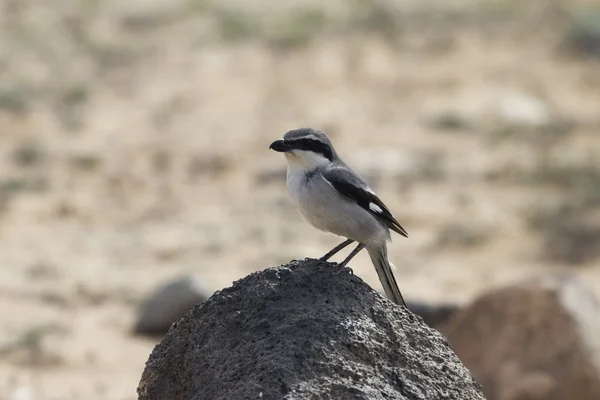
[[538, 340], [306, 330], [168, 303]]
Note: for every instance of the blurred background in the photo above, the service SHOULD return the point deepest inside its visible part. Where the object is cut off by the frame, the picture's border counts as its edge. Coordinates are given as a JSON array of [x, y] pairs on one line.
[[134, 150]]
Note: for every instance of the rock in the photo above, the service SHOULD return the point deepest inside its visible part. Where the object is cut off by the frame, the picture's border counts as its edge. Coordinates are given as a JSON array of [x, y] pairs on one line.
[[22, 393], [306, 330], [539, 340], [584, 33], [169, 303], [521, 108], [147, 14], [434, 315]]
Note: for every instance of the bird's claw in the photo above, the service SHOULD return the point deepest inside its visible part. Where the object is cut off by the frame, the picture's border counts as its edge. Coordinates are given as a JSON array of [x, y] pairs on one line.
[[342, 268]]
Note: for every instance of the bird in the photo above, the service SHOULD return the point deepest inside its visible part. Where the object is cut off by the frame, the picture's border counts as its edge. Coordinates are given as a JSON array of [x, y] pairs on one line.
[[333, 198]]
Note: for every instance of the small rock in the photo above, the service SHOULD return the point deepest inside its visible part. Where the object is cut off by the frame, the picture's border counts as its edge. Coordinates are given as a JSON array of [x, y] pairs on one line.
[[145, 14], [537, 340], [584, 32], [520, 108], [169, 303], [433, 315], [22, 393]]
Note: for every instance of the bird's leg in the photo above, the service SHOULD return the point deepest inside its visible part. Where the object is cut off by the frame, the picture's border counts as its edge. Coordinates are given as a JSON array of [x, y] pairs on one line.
[[351, 255], [336, 249]]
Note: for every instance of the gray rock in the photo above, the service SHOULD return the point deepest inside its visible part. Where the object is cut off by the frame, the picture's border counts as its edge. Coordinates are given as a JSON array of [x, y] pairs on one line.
[[584, 32], [22, 393], [434, 315], [306, 330], [169, 303], [518, 107], [147, 14]]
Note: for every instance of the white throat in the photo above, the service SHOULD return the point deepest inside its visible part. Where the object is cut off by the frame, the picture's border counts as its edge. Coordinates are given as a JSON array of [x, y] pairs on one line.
[[305, 161]]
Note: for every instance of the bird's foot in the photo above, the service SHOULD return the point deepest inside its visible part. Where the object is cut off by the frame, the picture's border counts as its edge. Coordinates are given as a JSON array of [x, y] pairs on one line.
[[342, 267]]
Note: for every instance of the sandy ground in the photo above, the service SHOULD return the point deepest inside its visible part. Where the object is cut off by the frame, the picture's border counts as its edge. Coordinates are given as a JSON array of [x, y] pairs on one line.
[[134, 148]]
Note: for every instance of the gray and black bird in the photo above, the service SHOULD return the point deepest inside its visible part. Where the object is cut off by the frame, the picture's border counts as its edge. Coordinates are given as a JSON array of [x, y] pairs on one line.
[[333, 198]]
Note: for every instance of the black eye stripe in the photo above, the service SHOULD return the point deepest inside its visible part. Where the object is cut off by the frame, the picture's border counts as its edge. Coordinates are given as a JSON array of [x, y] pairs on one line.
[[312, 145]]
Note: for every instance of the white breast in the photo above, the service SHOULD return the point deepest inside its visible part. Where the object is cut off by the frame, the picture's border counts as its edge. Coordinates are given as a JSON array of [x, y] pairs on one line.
[[295, 183], [325, 209]]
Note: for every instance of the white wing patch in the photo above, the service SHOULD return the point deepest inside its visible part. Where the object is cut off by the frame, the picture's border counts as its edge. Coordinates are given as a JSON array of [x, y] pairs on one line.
[[375, 208]]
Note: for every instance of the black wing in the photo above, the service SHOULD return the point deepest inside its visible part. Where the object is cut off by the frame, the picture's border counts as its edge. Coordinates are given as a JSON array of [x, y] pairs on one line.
[[357, 190]]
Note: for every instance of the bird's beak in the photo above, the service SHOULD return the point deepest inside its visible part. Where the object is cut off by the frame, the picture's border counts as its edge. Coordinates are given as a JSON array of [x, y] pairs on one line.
[[280, 146]]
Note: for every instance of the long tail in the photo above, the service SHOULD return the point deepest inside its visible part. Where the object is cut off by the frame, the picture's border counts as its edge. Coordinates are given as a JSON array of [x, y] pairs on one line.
[[385, 272]]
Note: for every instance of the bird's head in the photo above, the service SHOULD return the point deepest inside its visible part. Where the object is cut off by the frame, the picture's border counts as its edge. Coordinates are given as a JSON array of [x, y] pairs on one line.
[[306, 147]]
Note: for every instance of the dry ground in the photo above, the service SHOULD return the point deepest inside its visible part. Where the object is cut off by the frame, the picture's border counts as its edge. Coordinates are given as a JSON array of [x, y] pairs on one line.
[[134, 142]]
